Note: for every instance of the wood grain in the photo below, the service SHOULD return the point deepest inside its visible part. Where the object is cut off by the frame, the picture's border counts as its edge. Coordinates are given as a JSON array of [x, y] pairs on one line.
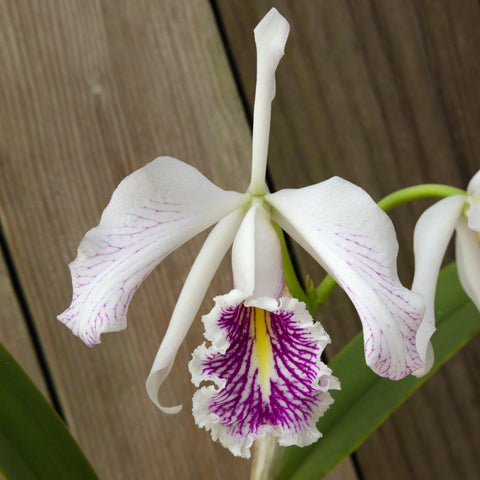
[[90, 91], [384, 94], [14, 334]]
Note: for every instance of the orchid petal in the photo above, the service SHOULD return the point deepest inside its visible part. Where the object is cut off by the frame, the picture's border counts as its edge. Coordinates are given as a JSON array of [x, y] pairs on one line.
[[257, 256], [473, 200], [151, 213], [433, 232], [474, 214], [354, 240], [189, 301], [467, 252], [265, 363], [270, 37], [473, 187]]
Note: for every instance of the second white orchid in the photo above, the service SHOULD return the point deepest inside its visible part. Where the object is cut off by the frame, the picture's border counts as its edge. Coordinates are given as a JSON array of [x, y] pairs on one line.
[[433, 231]]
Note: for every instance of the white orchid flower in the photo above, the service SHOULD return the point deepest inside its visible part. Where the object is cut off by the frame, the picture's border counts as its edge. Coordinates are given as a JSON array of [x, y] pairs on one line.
[[433, 231], [264, 358]]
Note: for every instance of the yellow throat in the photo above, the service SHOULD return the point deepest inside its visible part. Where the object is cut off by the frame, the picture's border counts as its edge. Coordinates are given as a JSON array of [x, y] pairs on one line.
[[263, 348]]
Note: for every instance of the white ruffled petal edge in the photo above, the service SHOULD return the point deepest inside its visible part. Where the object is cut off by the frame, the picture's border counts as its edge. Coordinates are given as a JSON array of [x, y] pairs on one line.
[[236, 410]]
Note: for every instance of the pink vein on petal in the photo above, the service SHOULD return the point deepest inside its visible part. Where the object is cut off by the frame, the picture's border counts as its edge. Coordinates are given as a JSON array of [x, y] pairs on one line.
[[152, 212]]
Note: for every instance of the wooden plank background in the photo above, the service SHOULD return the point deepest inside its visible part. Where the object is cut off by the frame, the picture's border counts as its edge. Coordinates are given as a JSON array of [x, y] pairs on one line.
[[383, 93]]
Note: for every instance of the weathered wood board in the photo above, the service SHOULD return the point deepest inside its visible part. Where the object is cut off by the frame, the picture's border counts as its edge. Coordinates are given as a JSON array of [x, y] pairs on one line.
[[14, 333], [384, 94], [90, 91]]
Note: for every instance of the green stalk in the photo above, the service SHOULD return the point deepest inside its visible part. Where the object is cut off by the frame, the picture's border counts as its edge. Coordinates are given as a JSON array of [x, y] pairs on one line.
[[291, 279], [409, 194]]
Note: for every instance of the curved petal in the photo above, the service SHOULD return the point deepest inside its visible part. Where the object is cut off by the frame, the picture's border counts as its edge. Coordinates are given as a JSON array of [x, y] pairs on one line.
[[151, 213], [189, 300], [265, 363], [354, 240], [467, 252], [257, 256], [432, 234]]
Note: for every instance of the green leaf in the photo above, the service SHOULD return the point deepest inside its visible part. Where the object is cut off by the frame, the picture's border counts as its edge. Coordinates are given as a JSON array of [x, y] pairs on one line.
[[34, 442], [366, 400]]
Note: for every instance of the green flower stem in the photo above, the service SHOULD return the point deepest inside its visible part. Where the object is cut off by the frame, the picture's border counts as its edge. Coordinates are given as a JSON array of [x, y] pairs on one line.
[[409, 194], [322, 294], [291, 279], [430, 190]]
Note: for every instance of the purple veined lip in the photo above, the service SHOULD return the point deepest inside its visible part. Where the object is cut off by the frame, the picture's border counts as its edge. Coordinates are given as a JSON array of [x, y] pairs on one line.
[[265, 363]]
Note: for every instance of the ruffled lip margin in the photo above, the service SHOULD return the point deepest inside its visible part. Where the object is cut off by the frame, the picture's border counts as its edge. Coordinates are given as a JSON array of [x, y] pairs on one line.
[[233, 409]]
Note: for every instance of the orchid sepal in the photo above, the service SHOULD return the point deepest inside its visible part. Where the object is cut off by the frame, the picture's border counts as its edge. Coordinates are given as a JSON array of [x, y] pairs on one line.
[[270, 38]]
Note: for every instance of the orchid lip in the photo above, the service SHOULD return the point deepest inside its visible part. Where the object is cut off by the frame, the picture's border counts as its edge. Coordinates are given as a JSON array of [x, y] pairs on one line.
[[264, 359]]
